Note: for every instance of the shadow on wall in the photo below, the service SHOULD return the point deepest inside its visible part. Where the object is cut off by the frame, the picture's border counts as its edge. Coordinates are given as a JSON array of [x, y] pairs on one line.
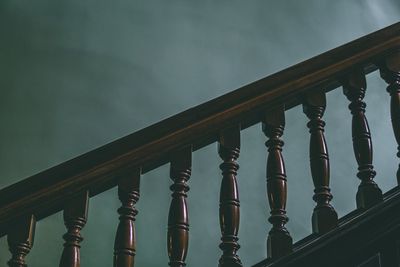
[[79, 74]]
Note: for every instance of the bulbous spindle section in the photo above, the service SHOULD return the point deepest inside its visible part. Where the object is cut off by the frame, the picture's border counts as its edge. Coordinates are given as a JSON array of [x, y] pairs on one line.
[[354, 87], [178, 218], [75, 216], [229, 212], [279, 242], [125, 238], [20, 240], [324, 216], [390, 72]]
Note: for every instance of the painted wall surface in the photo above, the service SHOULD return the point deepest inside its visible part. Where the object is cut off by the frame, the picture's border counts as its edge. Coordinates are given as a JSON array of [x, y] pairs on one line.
[[75, 75]]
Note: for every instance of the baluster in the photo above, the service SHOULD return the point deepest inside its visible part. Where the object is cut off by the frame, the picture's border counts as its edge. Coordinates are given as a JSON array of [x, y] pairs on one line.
[[125, 239], [324, 216], [178, 220], [390, 72], [20, 240], [279, 242], [354, 87], [75, 216], [229, 213]]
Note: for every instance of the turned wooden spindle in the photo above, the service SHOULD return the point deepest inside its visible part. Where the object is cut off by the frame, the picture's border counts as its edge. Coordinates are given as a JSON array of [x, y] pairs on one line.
[[20, 240], [390, 72], [354, 87], [324, 216], [229, 212], [125, 239], [178, 218], [75, 217], [279, 242]]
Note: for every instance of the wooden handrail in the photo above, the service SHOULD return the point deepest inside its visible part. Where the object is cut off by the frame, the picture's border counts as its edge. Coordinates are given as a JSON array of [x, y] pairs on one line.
[[98, 170]]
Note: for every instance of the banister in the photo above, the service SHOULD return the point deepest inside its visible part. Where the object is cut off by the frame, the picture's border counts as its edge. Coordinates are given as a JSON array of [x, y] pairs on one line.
[[98, 170]]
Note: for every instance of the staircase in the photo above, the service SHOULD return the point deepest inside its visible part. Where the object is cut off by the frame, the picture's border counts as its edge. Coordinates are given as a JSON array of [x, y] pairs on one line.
[[368, 236]]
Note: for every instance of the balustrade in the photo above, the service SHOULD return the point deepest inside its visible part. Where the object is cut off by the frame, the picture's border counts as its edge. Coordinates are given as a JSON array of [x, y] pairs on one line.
[[229, 212], [121, 163], [354, 87], [279, 242], [20, 240], [390, 72], [125, 239], [324, 216], [178, 218], [75, 217]]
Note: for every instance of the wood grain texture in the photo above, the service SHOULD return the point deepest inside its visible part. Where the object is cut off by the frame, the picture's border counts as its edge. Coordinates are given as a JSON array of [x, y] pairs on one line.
[[279, 241], [229, 212], [178, 218], [390, 72], [20, 240], [44, 193], [75, 217], [324, 216], [125, 239], [354, 87]]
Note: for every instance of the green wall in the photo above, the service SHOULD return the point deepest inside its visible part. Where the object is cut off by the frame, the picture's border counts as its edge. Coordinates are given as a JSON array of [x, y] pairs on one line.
[[75, 75]]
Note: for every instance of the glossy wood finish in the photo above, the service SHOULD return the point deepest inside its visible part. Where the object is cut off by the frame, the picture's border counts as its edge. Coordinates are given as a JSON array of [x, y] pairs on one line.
[[324, 216], [75, 217], [178, 218], [45, 193], [20, 240], [390, 72], [354, 87], [229, 212], [125, 239], [174, 139], [279, 242], [360, 235]]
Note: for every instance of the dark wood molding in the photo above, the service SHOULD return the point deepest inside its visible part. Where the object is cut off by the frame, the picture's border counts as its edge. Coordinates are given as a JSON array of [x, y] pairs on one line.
[[98, 170], [359, 234]]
